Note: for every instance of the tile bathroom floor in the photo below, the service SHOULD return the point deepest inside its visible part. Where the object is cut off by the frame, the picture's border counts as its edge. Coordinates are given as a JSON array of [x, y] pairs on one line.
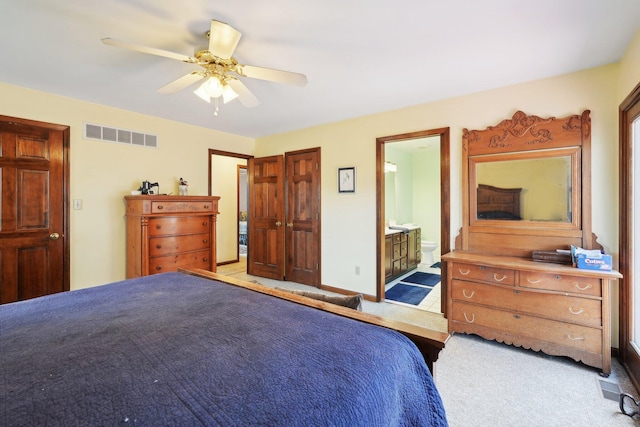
[[432, 301]]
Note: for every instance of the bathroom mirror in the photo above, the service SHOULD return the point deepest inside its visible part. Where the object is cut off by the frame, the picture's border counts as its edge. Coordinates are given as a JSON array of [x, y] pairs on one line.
[[534, 187]]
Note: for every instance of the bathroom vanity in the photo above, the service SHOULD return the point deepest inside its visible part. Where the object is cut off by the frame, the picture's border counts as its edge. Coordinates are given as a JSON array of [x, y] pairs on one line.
[[402, 251]]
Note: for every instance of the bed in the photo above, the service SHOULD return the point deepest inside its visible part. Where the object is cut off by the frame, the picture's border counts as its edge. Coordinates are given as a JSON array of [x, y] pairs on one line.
[[196, 348], [498, 203]]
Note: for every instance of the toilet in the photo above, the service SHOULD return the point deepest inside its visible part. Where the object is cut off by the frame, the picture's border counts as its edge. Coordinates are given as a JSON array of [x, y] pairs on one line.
[[427, 252]]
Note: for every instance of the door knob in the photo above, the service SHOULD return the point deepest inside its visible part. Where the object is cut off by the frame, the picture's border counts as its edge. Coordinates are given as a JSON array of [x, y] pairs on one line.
[[289, 224], [278, 223], [54, 236]]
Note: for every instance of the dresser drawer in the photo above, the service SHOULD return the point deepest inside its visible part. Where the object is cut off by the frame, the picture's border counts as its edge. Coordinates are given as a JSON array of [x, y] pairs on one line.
[[178, 225], [175, 244], [552, 306], [482, 273], [521, 326], [561, 283], [179, 206], [163, 264], [399, 237], [397, 251]]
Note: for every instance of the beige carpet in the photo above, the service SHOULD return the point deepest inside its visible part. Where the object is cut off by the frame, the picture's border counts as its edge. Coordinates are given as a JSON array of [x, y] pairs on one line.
[[484, 383]]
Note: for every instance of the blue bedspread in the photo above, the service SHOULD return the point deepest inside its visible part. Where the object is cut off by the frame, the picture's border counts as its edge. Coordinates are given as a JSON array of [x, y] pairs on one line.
[[173, 349]]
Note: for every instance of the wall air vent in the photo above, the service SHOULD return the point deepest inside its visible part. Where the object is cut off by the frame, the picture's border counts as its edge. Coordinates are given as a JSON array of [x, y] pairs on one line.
[[121, 136]]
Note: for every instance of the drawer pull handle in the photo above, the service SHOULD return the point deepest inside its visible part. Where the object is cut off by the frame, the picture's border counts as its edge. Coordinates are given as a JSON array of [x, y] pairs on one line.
[[464, 273], [581, 310], [158, 267], [158, 227], [206, 206], [473, 317], [464, 292], [205, 259], [582, 288], [572, 338], [533, 282], [205, 241], [205, 223], [497, 279], [158, 246], [160, 207]]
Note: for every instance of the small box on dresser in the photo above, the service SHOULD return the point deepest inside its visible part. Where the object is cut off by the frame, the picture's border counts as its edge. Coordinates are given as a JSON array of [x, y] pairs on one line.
[[165, 233]]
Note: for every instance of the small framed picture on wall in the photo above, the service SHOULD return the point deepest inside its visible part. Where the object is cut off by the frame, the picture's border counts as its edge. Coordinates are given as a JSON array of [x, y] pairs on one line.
[[347, 180]]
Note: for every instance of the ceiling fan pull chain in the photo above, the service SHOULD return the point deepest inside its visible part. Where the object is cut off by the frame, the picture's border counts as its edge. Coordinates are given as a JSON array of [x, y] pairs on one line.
[[215, 113]]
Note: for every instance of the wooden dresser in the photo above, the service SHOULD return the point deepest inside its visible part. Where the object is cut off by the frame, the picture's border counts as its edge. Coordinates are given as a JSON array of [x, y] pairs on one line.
[[558, 309], [168, 232]]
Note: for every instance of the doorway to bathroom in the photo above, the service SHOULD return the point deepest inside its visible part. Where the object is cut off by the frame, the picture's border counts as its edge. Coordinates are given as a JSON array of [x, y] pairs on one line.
[[413, 223]]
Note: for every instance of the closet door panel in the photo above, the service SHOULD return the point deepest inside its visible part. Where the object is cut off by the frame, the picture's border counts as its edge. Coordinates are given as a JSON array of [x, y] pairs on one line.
[[266, 217], [302, 233]]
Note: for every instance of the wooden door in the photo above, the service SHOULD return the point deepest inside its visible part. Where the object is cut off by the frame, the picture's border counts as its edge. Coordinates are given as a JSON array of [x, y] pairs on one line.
[[266, 217], [302, 234], [34, 250]]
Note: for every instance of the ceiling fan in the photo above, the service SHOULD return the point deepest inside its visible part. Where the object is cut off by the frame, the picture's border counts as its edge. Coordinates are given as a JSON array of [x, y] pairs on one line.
[[220, 71]]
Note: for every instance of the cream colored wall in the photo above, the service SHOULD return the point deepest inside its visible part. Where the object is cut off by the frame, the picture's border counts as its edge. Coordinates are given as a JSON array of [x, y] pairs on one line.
[[630, 68], [102, 173], [349, 222]]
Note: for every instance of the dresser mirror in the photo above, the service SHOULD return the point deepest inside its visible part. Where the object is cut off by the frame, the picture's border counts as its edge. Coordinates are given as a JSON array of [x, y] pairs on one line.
[[526, 186], [532, 187]]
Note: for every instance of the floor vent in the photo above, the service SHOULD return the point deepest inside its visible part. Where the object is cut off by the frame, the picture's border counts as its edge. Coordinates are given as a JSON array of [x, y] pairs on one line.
[[121, 136], [609, 390]]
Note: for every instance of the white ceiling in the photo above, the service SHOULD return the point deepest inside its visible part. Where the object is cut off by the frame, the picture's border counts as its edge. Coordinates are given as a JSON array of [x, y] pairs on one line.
[[360, 56]]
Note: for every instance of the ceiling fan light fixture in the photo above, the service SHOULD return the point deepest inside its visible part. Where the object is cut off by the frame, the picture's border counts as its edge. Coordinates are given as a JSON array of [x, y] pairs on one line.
[[228, 94], [211, 88], [202, 92]]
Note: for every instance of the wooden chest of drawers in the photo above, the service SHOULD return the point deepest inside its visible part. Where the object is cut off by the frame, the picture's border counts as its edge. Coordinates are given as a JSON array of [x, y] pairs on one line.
[[165, 233], [557, 309]]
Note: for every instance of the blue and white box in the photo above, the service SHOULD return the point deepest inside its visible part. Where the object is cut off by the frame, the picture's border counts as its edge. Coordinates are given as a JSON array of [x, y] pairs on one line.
[[594, 262]]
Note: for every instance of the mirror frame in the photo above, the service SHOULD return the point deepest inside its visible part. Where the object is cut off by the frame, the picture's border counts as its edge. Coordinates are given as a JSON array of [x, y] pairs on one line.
[[527, 136], [575, 197]]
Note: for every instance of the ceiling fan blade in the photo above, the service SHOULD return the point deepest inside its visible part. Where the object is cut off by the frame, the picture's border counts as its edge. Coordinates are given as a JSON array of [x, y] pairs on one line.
[[182, 82], [149, 50], [223, 39], [272, 75], [245, 96]]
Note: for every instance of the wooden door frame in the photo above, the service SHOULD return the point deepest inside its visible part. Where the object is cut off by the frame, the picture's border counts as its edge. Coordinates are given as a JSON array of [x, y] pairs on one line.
[[246, 157], [66, 226], [629, 358], [445, 203], [239, 168]]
